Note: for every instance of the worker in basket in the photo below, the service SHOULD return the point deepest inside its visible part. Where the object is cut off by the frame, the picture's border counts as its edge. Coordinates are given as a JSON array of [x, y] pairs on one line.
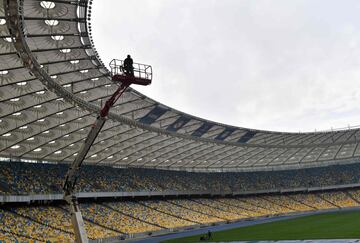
[[128, 66]]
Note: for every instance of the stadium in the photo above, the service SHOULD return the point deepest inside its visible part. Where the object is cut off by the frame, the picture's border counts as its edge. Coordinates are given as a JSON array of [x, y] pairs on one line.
[[151, 173]]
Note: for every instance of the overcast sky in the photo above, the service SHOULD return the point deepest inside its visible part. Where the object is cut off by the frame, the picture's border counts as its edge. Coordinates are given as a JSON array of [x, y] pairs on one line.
[[267, 64]]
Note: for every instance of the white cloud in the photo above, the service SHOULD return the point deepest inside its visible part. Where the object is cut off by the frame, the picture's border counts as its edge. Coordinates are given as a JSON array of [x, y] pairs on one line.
[[279, 65]]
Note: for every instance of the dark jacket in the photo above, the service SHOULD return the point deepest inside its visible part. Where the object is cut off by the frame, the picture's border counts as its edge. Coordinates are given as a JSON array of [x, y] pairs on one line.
[[128, 62]]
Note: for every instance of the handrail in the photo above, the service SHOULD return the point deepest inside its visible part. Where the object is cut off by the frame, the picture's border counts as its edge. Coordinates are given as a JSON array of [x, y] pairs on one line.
[[142, 71]]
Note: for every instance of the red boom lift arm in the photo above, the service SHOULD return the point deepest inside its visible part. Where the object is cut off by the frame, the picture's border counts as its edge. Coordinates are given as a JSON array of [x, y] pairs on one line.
[[142, 76]]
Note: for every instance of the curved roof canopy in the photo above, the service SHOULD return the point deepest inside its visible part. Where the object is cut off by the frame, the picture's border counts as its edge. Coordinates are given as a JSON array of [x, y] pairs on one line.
[[53, 84]]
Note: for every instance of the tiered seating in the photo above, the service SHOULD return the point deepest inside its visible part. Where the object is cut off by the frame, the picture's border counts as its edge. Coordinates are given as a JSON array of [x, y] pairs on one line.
[[313, 200], [26, 178], [11, 237], [225, 210], [58, 218], [290, 203], [51, 216], [97, 232], [260, 205], [355, 194], [26, 228], [235, 205], [109, 219], [181, 212], [147, 214], [114, 220], [340, 199], [199, 206], [280, 204]]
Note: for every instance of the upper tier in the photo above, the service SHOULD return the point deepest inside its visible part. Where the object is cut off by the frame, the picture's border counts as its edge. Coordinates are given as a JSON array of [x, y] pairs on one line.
[[53, 84]]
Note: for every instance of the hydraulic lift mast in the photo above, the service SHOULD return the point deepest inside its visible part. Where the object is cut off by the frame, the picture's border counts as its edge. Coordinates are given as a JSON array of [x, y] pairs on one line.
[[142, 76]]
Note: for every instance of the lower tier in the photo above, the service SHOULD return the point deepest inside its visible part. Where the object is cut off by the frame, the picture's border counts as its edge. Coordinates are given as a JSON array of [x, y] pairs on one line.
[[104, 219]]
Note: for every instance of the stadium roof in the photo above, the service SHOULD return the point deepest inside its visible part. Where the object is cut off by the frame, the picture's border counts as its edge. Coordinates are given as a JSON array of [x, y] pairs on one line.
[[53, 84]]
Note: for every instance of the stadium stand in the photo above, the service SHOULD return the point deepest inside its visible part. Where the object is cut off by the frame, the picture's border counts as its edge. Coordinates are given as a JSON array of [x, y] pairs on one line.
[[35, 178], [52, 85], [109, 219], [116, 218]]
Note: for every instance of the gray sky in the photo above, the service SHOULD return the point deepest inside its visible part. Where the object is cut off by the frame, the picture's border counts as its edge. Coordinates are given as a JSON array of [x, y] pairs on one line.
[[267, 64]]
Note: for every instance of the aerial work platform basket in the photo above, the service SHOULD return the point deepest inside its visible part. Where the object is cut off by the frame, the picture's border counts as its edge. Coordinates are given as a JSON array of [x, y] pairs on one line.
[[142, 73]]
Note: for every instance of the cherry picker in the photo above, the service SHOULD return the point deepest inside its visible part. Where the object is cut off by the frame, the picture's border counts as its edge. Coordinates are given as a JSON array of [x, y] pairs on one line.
[[142, 75]]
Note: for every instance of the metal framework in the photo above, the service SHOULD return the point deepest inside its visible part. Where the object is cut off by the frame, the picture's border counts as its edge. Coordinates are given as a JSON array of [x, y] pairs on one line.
[[53, 84]]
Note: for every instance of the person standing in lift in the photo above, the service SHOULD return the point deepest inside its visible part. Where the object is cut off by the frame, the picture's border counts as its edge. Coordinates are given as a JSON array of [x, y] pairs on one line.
[[128, 66]]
